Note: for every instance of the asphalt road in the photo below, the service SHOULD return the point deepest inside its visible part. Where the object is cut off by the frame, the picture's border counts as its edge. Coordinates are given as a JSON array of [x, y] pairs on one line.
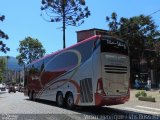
[[15, 106]]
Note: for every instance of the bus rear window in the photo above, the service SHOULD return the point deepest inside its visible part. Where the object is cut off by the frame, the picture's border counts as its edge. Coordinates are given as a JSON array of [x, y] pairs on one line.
[[113, 46]]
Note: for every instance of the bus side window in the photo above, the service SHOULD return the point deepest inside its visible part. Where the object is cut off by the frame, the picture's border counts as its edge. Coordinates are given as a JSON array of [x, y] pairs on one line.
[[86, 50], [62, 62]]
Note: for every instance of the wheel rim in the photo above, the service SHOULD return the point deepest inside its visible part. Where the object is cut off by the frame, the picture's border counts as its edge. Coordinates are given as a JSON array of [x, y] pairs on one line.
[[70, 101], [60, 100]]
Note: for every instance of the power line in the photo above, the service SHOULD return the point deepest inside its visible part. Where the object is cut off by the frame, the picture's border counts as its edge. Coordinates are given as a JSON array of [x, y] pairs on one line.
[[154, 13], [151, 14]]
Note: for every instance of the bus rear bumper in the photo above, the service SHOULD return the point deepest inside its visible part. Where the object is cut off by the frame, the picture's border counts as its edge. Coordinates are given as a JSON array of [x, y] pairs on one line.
[[101, 100]]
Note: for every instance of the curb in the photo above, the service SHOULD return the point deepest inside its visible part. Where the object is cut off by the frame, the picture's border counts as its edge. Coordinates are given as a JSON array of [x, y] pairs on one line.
[[150, 99]]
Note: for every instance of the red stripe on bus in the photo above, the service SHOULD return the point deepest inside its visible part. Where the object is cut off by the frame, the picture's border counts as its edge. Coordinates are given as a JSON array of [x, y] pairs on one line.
[[74, 83]]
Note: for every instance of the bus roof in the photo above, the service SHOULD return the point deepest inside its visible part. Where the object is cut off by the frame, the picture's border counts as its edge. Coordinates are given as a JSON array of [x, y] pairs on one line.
[[59, 51]]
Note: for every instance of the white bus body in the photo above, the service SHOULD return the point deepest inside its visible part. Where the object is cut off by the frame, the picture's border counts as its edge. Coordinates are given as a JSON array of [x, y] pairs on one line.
[[94, 72]]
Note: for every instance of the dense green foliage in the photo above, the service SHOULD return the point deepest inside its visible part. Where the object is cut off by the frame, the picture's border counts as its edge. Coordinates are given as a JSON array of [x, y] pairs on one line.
[[69, 12], [30, 49], [140, 32], [2, 68], [141, 93], [3, 47]]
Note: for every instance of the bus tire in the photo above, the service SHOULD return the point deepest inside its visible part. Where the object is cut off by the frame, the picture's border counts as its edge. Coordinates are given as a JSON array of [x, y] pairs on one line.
[[70, 101], [30, 95], [59, 99]]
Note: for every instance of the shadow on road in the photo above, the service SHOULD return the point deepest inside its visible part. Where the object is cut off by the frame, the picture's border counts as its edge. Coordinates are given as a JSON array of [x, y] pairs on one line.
[[44, 102], [2, 92], [105, 113]]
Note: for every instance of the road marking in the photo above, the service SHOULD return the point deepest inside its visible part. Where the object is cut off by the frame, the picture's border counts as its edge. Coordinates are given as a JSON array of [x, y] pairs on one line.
[[156, 109], [139, 110]]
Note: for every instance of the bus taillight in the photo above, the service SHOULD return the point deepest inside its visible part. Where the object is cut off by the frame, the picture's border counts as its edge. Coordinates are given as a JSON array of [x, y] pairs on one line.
[[100, 89]]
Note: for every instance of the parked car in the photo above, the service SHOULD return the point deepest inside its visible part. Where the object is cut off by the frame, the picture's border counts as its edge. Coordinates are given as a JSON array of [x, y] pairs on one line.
[[16, 87], [11, 89], [21, 89], [7, 86], [2, 87]]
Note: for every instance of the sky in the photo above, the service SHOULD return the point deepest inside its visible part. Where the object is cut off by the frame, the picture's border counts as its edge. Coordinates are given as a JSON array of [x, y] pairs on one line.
[[23, 19]]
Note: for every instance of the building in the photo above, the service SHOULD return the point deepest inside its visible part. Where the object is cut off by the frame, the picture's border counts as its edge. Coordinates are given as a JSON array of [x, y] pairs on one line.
[[13, 71], [146, 68], [83, 34]]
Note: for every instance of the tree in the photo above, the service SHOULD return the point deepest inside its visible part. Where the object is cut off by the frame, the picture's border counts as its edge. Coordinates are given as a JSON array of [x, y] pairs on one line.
[[30, 49], [141, 34], [3, 47], [140, 31], [2, 68], [70, 12]]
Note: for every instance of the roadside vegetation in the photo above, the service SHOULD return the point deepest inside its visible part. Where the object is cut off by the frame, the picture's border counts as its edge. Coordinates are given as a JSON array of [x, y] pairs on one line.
[[3, 35]]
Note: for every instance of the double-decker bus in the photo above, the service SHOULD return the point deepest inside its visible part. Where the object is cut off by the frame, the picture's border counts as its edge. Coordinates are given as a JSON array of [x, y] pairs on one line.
[[93, 72]]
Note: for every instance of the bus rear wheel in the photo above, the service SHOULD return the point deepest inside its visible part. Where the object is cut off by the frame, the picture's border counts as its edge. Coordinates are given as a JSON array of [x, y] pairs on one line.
[[59, 99], [70, 101]]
